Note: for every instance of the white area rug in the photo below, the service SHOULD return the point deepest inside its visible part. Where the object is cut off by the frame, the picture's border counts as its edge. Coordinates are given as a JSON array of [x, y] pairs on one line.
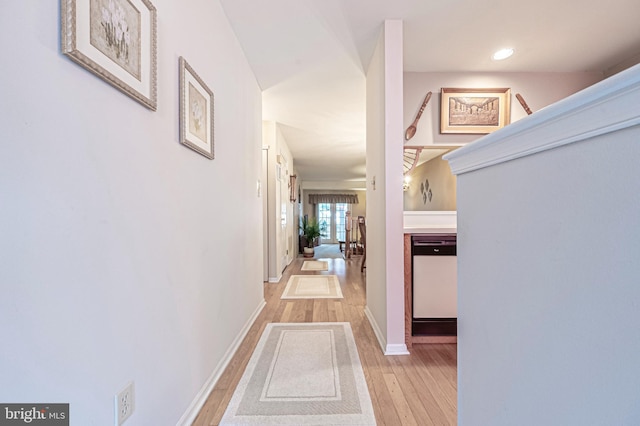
[[312, 287], [302, 374], [315, 265], [328, 251]]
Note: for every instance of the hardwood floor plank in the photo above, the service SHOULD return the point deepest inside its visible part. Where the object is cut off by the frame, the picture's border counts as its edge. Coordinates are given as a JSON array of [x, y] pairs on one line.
[[446, 383], [413, 395], [417, 389], [399, 401], [442, 398], [447, 363], [383, 405], [320, 310], [339, 311], [286, 314], [427, 398]]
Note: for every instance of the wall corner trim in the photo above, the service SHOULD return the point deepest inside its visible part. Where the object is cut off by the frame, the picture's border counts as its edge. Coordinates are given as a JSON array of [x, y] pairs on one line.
[[605, 107], [196, 405]]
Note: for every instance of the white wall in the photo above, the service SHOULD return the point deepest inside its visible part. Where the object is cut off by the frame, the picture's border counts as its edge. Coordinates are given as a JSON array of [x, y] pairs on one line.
[[548, 265], [385, 266], [538, 90], [376, 237], [124, 254]]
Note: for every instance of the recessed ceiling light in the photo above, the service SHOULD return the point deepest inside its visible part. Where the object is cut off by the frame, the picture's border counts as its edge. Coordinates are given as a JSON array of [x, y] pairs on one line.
[[502, 54]]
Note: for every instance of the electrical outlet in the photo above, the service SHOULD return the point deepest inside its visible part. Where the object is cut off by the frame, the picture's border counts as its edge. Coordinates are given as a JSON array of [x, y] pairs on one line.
[[125, 404]]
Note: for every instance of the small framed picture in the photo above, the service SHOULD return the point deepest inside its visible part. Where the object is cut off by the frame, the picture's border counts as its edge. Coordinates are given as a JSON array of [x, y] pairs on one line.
[[478, 111], [115, 40], [196, 111]]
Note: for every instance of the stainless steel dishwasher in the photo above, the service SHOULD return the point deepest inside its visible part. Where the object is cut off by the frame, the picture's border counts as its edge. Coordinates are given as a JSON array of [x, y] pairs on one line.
[[434, 284]]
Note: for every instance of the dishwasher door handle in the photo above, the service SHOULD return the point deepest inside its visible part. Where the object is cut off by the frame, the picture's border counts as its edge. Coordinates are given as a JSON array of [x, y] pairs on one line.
[[431, 250], [434, 243]]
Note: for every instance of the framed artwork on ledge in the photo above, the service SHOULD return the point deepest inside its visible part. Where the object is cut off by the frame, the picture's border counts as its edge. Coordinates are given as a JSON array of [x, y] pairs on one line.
[[196, 112], [115, 40], [478, 111]]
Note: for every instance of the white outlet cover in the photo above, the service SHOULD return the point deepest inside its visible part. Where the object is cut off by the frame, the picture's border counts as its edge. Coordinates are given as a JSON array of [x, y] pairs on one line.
[[125, 403]]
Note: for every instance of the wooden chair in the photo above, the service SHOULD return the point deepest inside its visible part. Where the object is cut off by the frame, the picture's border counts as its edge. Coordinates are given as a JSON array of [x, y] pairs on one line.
[[363, 237]]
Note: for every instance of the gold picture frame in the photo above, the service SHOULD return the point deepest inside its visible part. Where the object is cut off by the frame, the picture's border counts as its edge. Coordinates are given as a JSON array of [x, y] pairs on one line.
[[475, 111], [196, 111], [115, 40]]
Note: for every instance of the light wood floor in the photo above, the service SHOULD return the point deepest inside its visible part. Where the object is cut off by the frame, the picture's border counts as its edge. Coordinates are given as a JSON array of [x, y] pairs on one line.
[[417, 389]]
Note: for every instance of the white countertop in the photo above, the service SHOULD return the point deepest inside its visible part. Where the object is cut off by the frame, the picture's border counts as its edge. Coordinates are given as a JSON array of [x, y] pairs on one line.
[[433, 229], [430, 222]]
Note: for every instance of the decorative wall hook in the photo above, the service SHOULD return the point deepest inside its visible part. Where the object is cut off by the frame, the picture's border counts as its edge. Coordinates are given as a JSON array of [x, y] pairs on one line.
[[523, 103], [411, 130]]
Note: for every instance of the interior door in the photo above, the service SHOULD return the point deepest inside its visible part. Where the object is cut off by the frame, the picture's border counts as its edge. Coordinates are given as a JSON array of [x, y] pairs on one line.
[[325, 218], [340, 209], [262, 188], [283, 201]]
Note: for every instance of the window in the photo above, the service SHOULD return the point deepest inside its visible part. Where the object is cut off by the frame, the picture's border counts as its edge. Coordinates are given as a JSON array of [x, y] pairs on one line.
[[333, 215], [324, 217]]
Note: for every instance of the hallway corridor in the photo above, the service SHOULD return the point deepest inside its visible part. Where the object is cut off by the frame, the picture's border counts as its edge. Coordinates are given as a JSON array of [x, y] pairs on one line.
[[417, 389]]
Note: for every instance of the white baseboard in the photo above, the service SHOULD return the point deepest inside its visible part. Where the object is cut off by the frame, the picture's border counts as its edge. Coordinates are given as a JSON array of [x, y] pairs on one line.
[[387, 349], [192, 412], [397, 349], [275, 279], [381, 339]]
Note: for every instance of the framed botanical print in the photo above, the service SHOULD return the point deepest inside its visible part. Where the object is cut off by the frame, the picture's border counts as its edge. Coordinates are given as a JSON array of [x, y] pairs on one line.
[[115, 40], [196, 111], [478, 111]]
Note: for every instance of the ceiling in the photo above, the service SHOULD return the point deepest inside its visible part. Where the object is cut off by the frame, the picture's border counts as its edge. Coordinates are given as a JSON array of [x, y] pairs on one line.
[[310, 57]]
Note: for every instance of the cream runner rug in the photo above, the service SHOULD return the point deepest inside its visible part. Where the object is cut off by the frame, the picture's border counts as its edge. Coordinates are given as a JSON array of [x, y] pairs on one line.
[[315, 265], [312, 287], [302, 374]]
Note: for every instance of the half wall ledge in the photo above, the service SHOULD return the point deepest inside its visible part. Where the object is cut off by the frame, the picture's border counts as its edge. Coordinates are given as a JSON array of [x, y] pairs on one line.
[[608, 106]]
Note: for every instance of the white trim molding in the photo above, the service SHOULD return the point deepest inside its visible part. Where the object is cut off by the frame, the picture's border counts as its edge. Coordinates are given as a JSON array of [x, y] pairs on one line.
[[196, 405], [447, 220], [397, 349], [605, 107], [382, 341]]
